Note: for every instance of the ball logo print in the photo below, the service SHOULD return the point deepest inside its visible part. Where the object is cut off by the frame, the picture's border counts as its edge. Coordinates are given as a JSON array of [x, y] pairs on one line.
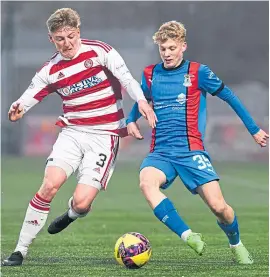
[[132, 250]]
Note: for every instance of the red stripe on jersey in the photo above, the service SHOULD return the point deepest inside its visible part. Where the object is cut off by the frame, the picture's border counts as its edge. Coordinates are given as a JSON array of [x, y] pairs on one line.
[[104, 84], [101, 44], [153, 141], [43, 93], [110, 100], [67, 63], [78, 77], [121, 132], [192, 109], [148, 74], [106, 172], [96, 120]]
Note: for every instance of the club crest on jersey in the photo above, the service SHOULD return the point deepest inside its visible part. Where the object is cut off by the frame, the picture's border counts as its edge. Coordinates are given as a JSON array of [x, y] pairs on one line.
[[181, 99], [187, 80], [65, 91], [88, 63]]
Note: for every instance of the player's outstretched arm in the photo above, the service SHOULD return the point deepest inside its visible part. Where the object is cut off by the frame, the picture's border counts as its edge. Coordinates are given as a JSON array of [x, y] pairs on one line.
[[16, 111], [208, 81], [261, 138], [115, 63]]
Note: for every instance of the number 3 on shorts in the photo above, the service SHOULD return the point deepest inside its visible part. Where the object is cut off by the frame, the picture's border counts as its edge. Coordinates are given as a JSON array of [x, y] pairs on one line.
[[102, 160], [202, 161]]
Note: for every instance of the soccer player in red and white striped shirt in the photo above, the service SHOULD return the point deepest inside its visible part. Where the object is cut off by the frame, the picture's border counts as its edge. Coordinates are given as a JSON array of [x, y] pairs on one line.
[[88, 76]]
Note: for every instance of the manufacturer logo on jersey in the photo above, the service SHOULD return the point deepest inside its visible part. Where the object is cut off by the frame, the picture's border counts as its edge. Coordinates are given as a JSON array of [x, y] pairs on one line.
[[88, 63], [181, 99], [187, 80], [31, 86], [211, 75], [87, 83], [60, 75], [97, 170]]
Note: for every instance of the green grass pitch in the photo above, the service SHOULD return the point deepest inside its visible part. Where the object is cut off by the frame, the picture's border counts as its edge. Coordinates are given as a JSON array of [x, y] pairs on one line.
[[86, 247]]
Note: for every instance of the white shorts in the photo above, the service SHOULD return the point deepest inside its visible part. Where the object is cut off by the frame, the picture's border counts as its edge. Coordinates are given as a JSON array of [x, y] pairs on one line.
[[93, 156]]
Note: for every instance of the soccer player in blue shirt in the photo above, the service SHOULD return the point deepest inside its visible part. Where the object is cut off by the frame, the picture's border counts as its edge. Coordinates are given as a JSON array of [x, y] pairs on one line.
[[177, 89]]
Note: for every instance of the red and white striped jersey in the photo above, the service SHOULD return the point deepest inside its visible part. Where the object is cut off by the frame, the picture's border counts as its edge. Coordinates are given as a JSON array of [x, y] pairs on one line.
[[90, 87]]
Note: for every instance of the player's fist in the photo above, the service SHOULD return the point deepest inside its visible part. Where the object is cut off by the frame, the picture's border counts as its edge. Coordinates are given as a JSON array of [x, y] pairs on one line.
[[134, 130], [261, 138], [147, 112], [16, 111]]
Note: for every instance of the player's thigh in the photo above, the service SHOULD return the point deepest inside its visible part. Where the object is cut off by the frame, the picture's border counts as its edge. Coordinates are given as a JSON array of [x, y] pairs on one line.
[[157, 171], [212, 195], [66, 153], [195, 170], [98, 163], [151, 176]]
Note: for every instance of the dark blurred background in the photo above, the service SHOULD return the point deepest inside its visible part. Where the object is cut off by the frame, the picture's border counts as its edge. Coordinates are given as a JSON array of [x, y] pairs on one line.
[[232, 38]]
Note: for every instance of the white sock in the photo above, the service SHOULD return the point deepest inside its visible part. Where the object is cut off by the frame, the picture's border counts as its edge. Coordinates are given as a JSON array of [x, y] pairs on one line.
[[73, 214], [235, 245], [185, 235], [35, 218]]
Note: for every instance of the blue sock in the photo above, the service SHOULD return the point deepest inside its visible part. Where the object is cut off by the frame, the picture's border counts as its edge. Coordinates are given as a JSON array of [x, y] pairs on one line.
[[166, 213], [231, 230]]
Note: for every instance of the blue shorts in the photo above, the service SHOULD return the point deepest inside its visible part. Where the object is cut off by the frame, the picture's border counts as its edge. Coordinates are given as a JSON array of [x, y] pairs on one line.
[[194, 168]]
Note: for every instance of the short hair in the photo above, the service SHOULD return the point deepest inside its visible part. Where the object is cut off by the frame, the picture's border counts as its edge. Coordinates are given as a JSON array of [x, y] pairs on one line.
[[170, 30], [63, 17]]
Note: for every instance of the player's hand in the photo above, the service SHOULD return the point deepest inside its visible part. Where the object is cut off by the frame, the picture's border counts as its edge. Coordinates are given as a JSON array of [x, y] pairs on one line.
[[261, 138], [16, 111], [147, 112], [134, 130]]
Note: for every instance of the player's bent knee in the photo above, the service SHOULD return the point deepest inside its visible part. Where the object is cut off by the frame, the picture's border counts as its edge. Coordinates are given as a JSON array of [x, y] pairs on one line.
[[148, 185], [83, 197], [81, 207], [218, 208]]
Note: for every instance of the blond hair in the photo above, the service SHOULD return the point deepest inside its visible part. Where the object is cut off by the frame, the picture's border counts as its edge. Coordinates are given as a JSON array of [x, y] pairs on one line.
[[170, 30], [63, 17]]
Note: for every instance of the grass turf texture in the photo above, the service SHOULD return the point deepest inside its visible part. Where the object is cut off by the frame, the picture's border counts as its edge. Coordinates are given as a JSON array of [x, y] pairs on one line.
[[86, 247]]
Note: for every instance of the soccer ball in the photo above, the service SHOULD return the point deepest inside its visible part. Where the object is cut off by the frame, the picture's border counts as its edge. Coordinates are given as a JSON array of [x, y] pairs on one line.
[[132, 250]]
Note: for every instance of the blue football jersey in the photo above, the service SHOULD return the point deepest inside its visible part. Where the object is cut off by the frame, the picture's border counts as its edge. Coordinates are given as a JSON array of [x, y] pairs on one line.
[[179, 101]]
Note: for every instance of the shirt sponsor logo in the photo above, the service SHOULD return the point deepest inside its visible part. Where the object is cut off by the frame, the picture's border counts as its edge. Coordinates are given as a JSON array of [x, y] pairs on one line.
[[84, 84], [181, 99]]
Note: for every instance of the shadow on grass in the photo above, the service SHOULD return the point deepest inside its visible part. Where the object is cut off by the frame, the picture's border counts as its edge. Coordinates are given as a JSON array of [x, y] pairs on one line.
[[94, 261]]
